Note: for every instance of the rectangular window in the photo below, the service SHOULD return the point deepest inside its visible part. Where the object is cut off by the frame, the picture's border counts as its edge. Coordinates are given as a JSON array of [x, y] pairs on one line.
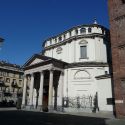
[[14, 75], [83, 52], [123, 89], [7, 80], [20, 82], [20, 76], [110, 101], [1, 79]]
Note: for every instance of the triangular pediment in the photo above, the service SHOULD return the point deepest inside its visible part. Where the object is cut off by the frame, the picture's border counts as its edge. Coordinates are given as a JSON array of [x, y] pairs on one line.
[[40, 60], [35, 61]]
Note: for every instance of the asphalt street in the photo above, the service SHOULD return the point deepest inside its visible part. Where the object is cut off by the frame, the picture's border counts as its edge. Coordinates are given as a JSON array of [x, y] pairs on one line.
[[39, 118]]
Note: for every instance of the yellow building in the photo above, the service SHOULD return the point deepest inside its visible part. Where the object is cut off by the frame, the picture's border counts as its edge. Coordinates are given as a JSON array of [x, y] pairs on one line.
[[11, 83]]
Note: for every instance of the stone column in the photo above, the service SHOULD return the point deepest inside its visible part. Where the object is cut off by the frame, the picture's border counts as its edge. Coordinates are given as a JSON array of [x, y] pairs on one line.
[[31, 90], [24, 91], [50, 102], [41, 90], [61, 90]]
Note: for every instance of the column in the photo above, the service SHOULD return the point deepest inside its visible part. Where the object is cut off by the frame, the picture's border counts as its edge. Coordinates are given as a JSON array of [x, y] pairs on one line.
[[41, 90], [61, 90], [50, 102], [24, 91], [31, 90]]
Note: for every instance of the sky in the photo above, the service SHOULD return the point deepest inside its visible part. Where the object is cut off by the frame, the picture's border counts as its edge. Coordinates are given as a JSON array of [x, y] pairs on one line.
[[25, 24]]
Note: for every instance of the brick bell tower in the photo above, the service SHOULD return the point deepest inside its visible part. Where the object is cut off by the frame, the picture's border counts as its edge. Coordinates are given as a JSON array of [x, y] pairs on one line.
[[117, 32]]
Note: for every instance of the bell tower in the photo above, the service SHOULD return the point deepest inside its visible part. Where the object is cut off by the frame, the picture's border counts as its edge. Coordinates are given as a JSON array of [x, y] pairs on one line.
[[117, 31]]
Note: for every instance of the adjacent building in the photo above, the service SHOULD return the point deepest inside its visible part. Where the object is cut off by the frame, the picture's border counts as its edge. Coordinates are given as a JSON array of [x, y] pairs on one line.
[[117, 29], [72, 73], [11, 83]]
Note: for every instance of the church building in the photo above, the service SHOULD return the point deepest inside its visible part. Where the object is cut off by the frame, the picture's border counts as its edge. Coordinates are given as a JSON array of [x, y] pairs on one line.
[[72, 74]]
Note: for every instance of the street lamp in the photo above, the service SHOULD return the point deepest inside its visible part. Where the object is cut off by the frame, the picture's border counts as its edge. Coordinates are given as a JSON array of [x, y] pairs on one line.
[[1, 42]]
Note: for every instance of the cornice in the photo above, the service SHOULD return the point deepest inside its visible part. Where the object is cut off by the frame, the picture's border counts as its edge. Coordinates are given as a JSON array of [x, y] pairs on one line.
[[13, 69], [87, 64], [93, 35], [78, 26], [106, 76]]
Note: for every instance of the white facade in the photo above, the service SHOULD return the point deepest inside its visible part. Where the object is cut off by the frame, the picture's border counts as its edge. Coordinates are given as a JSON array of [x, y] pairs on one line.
[[78, 87], [70, 51]]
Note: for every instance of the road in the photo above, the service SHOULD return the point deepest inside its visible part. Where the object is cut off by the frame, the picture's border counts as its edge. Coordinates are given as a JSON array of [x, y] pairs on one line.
[[39, 118]]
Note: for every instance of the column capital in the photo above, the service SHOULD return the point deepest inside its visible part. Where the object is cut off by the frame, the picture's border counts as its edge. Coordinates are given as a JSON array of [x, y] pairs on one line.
[[62, 73], [51, 70], [41, 71], [25, 75], [32, 74]]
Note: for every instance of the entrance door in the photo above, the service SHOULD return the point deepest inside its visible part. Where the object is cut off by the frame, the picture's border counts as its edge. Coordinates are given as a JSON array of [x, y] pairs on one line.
[[45, 91], [45, 99]]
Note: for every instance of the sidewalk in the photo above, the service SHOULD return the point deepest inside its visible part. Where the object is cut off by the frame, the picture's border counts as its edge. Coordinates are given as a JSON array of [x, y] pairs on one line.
[[98, 114], [115, 122], [109, 118], [8, 109]]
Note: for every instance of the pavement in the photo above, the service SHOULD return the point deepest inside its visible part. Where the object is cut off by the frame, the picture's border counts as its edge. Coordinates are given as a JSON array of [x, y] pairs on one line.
[[8, 109], [109, 118], [78, 118]]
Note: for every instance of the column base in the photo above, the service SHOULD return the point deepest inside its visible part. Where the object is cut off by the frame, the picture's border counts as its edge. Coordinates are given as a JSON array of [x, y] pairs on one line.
[[39, 107], [30, 107], [50, 108], [57, 109], [23, 106], [60, 108]]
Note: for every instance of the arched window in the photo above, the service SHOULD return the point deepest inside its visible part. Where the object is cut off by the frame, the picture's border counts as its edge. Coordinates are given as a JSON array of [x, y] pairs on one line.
[[50, 42], [70, 34], [76, 31], [55, 40], [64, 36], [82, 74], [60, 38], [83, 30], [89, 30]]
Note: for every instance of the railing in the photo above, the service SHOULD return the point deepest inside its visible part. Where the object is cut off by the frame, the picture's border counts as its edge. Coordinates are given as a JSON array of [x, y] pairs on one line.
[[79, 102]]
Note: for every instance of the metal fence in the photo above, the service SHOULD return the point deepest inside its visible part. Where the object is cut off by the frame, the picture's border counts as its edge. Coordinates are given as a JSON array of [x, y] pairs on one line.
[[79, 102]]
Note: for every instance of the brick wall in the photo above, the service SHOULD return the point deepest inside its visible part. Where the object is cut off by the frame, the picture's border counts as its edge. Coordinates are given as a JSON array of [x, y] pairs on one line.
[[117, 31]]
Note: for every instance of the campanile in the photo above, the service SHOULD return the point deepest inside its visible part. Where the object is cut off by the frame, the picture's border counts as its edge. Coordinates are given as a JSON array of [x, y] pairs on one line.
[[117, 31]]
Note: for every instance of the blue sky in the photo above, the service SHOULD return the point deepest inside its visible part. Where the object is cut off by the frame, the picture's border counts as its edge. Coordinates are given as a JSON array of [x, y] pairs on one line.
[[25, 24]]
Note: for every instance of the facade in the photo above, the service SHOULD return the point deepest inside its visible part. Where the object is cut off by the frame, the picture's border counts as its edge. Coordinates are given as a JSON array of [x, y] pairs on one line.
[[117, 26], [72, 72], [11, 83]]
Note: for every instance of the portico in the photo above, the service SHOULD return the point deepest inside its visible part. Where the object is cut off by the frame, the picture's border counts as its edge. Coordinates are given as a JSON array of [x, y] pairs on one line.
[[41, 84]]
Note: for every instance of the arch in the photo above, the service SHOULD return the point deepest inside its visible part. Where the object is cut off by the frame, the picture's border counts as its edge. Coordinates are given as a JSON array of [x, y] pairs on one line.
[[82, 74]]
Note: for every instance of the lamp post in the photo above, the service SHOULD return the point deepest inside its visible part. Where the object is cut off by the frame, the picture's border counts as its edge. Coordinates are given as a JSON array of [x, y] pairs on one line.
[[1, 82], [1, 42]]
